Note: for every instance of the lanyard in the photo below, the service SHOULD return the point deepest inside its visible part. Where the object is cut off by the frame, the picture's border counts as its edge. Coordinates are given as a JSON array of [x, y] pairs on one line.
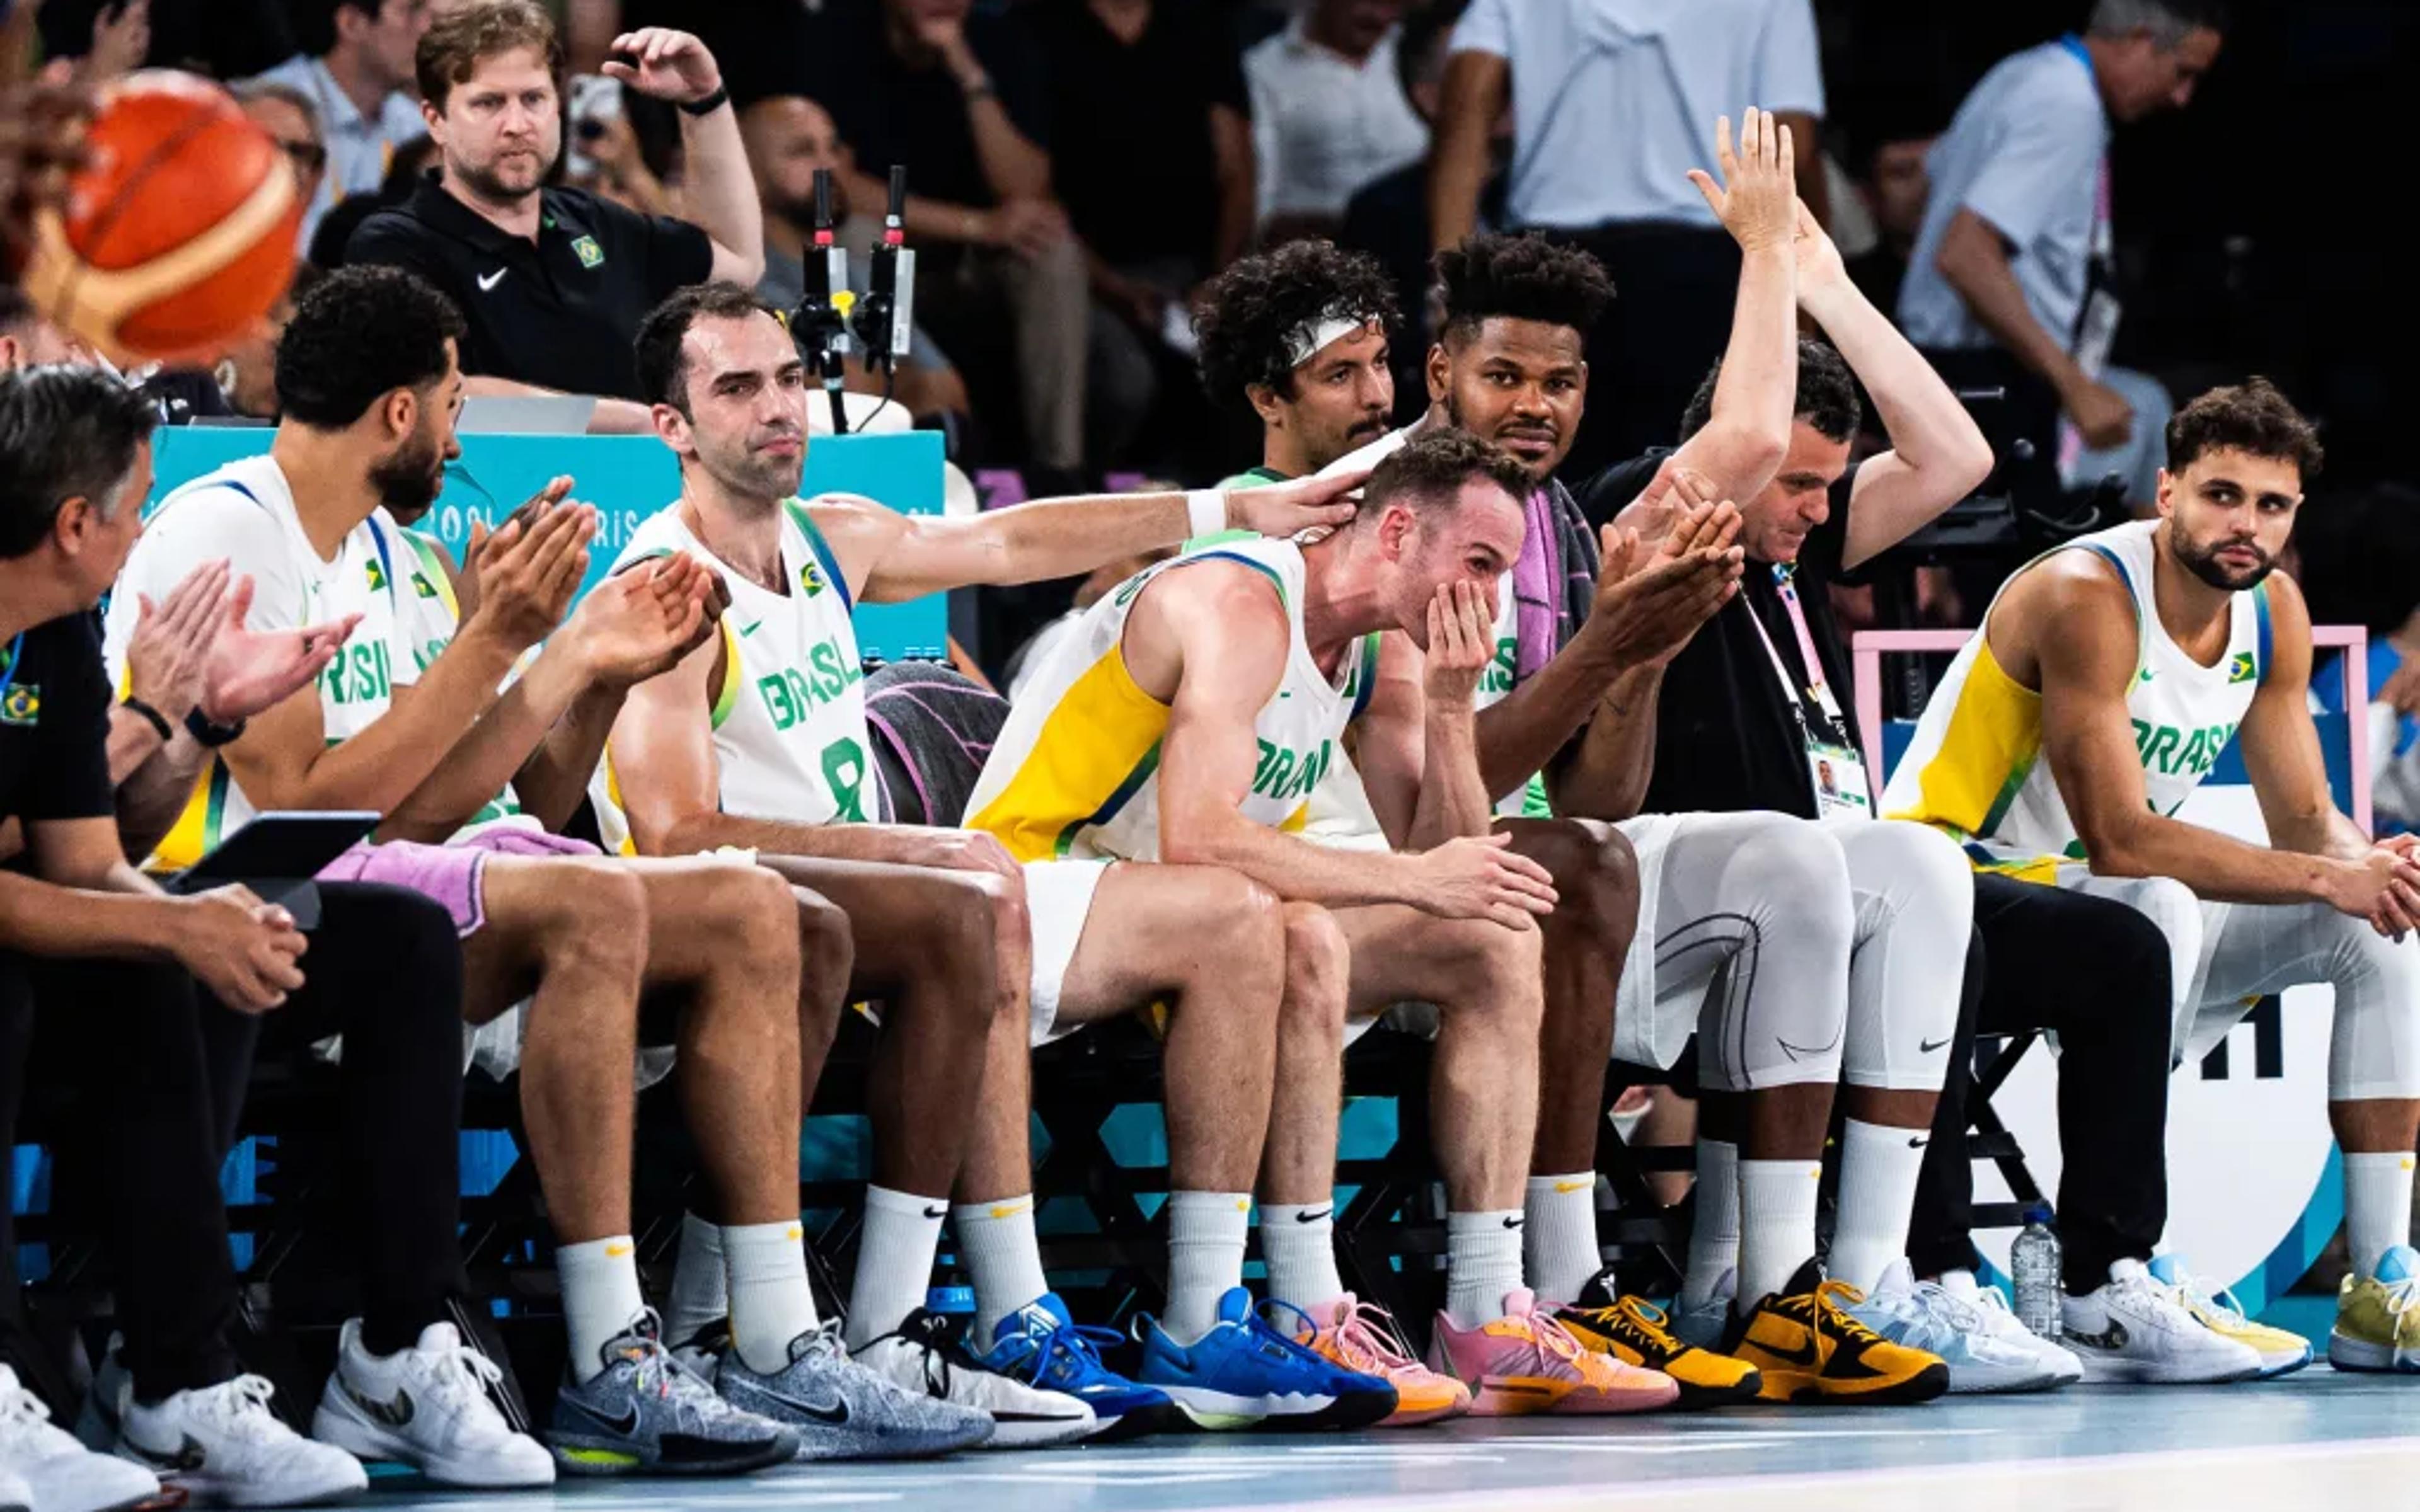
[[8, 672], [1817, 687]]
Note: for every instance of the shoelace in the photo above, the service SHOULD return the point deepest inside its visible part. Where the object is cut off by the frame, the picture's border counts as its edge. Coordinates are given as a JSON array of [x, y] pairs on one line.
[[240, 1408], [1938, 1302], [2403, 1297], [1638, 1322], [462, 1374], [1370, 1342], [1828, 1300], [2195, 1292], [21, 1414], [1552, 1338], [1039, 1346]]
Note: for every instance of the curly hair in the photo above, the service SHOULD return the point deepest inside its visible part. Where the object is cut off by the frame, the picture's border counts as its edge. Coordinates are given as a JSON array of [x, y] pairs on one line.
[[1250, 310], [1522, 277], [359, 334], [2254, 418], [1432, 467]]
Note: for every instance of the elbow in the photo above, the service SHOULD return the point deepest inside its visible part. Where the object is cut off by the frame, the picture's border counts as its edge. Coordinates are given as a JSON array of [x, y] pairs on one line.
[[2116, 851], [1184, 842], [747, 268], [1971, 460]]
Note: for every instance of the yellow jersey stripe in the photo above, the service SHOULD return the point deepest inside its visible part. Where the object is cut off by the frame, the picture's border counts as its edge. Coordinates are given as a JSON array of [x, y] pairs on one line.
[[1097, 749], [1988, 749], [728, 694]]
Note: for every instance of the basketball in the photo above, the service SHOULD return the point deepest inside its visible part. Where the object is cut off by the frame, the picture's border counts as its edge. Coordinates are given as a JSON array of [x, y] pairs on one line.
[[177, 234]]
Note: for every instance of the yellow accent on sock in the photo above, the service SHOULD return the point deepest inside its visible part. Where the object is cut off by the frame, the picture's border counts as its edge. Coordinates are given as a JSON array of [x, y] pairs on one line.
[[1010, 1209], [1561, 1187], [615, 1252]]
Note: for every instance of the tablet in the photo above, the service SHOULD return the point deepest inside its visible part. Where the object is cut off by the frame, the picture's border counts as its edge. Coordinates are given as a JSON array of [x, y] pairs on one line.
[[276, 848]]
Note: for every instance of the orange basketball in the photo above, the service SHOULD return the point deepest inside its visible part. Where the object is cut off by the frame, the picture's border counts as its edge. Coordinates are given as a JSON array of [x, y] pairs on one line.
[[181, 233]]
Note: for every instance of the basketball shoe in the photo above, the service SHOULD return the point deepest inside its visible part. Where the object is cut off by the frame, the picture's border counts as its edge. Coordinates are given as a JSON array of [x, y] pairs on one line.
[[1809, 1348], [1526, 1362], [2137, 1328], [225, 1444], [1358, 1335], [50, 1472], [2378, 1317], [923, 1355], [1244, 1373], [1924, 1314], [2281, 1354], [648, 1413], [1041, 1345], [1632, 1331], [427, 1407]]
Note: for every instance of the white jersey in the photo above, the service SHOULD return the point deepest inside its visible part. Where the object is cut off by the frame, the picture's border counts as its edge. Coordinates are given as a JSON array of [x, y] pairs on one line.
[[1974, 768], [790, 740], [1075, 774], [244, 511]]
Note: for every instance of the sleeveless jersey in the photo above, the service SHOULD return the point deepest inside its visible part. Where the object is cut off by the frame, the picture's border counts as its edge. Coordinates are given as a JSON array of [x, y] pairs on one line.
[[427, 615], [1075, 774], [789, 714], [1974, 768]]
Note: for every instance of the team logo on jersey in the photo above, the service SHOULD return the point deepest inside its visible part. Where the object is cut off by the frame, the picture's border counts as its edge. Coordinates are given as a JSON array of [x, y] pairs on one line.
[[589, 252], [2143, 677], [22, 705], [2241, 669], [422, 587], [378, 579], [811, 581]]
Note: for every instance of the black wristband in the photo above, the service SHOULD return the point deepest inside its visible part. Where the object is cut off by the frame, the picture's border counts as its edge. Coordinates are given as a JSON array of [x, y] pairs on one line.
[[210, 737], [154, 717], [711, 103]]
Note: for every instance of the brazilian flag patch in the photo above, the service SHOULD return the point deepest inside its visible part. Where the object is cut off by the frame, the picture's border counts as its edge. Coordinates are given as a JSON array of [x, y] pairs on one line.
[[2241, 669], [378, 577], [22, 705], [811, 582], [422, 587]]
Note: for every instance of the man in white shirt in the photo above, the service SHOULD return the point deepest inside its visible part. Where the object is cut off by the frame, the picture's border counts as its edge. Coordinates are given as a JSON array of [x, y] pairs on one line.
[[355, 66], [1328, 114], [1613, 105], [2012, 279]]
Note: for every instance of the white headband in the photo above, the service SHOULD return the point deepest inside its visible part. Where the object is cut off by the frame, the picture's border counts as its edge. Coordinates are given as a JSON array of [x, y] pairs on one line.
[[1311, 338]]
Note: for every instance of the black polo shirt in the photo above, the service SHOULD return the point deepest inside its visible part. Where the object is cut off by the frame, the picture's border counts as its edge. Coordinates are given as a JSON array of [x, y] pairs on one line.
[[54, 723], [1725, 738], [560, 312]]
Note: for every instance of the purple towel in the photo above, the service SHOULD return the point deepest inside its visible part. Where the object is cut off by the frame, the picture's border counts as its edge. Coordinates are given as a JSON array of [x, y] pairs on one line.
[[1536, 576]]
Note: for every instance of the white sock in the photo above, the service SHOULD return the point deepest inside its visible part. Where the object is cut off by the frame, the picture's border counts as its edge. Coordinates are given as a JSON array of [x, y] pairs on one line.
[[996, 1241], [1776, 1224], [1298, 1241], [2378, 1207], [700, 1298], [1205, 1258], [770, 1302], [894, 1261], [600, 1298], [1878, 1169], [1483, 1265], [1714, 1237], [1559, 1249]]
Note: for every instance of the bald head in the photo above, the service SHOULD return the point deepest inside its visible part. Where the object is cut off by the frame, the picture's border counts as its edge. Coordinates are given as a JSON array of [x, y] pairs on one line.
[[789, 137]]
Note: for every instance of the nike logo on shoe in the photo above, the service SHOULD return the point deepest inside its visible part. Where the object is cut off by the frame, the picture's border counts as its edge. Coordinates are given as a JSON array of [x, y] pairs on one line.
[[1805, 1354], [834, 1414], [624, 1425], [491, 280], [190, 1457], [393, 1415], [2114, 1337]]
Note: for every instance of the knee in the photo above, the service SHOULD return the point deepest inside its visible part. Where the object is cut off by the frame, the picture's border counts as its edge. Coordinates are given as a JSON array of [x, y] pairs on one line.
[[1596, 873], [598, 916], [757, 910], [1319, 969], [1244, 932], [1803, 874], [1500, 973], [827, 946]]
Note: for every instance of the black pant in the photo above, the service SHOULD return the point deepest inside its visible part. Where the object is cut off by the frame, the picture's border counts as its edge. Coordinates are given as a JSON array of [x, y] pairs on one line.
[[2097, 973], [124, 1041], [385, 970], [1675, 288]]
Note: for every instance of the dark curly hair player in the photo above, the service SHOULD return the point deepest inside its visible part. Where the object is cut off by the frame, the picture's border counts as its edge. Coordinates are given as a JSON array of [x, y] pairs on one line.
[[1298, 336]]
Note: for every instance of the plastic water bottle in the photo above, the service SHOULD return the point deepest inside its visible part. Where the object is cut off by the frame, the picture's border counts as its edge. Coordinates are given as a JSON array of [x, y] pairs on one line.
[[2034, 1258]]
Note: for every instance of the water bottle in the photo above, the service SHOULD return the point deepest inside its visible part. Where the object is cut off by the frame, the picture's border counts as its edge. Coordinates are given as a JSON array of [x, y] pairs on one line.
[[2034, 1259]]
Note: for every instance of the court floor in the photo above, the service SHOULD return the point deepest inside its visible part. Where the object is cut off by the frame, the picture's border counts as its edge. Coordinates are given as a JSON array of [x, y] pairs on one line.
[[2316, 1440]]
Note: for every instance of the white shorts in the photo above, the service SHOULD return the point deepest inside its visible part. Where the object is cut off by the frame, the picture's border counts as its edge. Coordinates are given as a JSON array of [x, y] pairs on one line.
[[1058, 900]]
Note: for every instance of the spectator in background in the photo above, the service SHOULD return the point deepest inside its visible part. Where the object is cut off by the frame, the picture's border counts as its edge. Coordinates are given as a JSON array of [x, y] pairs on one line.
[[789, 137], [246, 375], [1892, 183], [959, 99], [2012, 280], [356, 70], [553, 282], [1151, 150], [413, 160], [1329, 115], [28, 338], [1614, 102], [292, 121]]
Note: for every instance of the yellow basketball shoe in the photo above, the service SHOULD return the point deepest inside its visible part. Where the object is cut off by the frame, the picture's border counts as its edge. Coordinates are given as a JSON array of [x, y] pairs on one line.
[[1634, 1332], [2281, 1354], [1807, 1349], [2378, 1317], [1359, 1336]]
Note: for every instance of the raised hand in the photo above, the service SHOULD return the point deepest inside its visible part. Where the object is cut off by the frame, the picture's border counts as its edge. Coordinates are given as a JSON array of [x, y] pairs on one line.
[[1462, 641], [1756, 200], [666, 64], [171, 645], [1285, 509], [1667, 592], [251, 672], [639, 622], [529, 570], [1477, 877], [1819, 267]]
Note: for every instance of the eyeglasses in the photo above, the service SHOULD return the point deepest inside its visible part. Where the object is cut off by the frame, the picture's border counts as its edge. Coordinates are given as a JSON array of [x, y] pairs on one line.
[[307, 157]]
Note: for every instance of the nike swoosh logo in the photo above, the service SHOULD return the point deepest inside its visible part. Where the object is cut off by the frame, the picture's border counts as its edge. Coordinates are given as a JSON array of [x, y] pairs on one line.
[[941, 1211], [751, 628], [1918, 1144], [189, 1456], [1796, 1050], [493, 279], [1513, 1223], [1805, 1355], [626, 1425], [393, 1415], [1928, 1046], [1314, 1217], [835, 1414], [1562, 1188]]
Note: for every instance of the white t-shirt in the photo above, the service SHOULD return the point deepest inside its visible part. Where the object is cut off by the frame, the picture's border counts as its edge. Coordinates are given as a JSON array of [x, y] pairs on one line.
[[2025, 153], [1615, 100], [361, 149], [1324, 126]]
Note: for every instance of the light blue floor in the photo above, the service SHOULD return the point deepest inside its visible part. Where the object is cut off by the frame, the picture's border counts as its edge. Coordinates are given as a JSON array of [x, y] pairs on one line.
[[2317, 1439]]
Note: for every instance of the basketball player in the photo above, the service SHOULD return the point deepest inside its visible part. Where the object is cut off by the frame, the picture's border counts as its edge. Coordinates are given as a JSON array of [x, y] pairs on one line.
[[758, 739], [369, 386], [1300, 335], [2128, 660]]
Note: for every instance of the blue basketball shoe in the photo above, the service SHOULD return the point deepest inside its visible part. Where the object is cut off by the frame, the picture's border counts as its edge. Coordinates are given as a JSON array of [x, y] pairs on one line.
[[1039, 1345], [1245, 1374]]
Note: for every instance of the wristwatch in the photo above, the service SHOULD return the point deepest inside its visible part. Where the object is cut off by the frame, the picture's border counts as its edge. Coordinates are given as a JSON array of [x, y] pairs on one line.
[[208, 735]]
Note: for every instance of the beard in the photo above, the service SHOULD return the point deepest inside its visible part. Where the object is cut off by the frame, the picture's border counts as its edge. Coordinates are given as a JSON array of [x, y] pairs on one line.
[[754, 474], [409, 481], [1538, 472], [2203, 562], [490, 185]]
